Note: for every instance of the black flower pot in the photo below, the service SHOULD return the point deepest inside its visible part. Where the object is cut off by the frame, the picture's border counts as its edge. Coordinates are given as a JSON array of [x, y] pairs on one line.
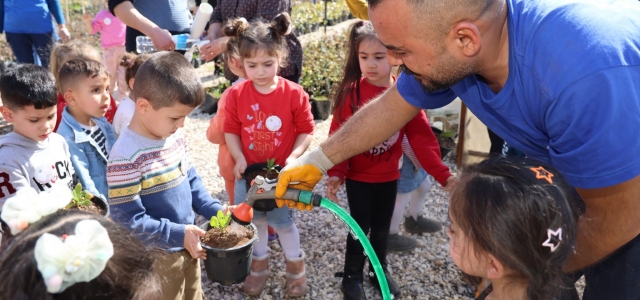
[[102, 204], [321, 109], [229, 266], [444, 149]]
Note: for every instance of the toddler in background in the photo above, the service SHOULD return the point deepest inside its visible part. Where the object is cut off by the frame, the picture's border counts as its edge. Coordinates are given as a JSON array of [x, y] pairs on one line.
[[64, 52], [112, 39], [84, 84], [131, 63], [513, 222]]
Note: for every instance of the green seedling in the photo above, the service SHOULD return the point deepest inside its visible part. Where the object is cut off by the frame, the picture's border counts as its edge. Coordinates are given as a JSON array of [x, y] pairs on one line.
[[79, 197], [446, 134], [221, 221], [271, 166]]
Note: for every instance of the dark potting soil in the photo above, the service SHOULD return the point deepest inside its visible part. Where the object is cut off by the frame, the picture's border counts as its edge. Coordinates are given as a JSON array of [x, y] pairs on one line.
[[263, 173], [215, 238], [447, 143], [93, 208]]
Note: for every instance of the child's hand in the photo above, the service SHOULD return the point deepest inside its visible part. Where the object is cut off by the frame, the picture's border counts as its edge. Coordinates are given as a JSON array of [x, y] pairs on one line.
[[333, 185], [192, 234], [241, 165], [451, 183], [228, 209], [86, 17]]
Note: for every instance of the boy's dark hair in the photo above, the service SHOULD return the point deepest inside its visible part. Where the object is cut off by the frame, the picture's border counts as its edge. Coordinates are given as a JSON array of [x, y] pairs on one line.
[[505, 206], [349, 86], [26, 85], [75, 70], [128, 274], [260, 35], [132, 62], [166, 78]]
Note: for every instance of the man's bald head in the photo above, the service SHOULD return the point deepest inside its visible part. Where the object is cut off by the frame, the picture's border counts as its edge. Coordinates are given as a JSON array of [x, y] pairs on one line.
[[439, 16]]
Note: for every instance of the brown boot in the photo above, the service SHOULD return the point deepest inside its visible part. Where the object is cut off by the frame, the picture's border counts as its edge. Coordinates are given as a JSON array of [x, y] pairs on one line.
[[296, 278], [257, 279]]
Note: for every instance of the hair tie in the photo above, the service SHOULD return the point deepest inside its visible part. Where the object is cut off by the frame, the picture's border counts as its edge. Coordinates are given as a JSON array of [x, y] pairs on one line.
[[554, 238], [542, 173], [28, 206], [79, 257]]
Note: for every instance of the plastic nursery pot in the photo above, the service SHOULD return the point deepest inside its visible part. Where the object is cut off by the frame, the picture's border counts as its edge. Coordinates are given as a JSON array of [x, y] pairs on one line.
[[229, 266], [101, 203], [444, 149], [249, 174]]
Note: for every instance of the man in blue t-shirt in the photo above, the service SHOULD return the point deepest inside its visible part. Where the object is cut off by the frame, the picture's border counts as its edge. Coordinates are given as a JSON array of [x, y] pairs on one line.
[[557, 79]]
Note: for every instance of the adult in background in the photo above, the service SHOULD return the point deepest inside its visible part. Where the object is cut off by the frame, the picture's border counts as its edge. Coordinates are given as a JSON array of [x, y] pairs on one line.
[[157, 19], [29, 30], [251, 10], [557, 79]]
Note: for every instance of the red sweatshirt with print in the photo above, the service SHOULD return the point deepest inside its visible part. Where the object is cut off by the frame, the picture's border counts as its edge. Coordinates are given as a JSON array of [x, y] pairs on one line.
[[268, 124], [382, 163]]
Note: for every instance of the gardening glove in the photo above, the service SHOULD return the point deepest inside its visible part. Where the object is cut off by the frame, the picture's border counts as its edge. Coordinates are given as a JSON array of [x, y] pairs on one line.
[[308, 169]]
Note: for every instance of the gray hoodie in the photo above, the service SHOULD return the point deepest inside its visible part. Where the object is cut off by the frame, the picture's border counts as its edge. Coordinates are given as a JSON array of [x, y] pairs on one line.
[[27, 163]]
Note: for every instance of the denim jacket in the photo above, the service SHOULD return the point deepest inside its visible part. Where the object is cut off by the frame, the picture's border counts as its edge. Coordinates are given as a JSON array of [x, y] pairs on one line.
[[88, 161]]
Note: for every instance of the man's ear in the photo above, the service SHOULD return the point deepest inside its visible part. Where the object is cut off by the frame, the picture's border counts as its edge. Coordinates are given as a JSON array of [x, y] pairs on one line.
[[466, 38], [495, 269], [7, 113], [68, 97], [143, 106]]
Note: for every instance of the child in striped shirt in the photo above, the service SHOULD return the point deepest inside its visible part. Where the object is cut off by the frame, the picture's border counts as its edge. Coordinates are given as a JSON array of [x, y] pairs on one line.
[[84, 84], [152, 186]]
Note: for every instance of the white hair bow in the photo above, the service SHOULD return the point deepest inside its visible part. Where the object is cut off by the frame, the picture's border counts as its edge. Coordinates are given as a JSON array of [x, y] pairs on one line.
[[64, 261], [29, 206]]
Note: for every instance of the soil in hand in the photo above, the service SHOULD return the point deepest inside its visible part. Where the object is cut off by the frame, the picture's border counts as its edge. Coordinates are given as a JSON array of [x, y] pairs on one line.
[[215, 238]]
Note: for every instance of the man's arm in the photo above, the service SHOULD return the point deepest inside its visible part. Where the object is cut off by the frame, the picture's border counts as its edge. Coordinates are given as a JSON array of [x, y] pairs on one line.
[[130, 16], [370, 126], [610, 221]]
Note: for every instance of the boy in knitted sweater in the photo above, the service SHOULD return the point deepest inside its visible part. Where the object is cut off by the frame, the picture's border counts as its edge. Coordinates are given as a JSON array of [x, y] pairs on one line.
[[152, 186]]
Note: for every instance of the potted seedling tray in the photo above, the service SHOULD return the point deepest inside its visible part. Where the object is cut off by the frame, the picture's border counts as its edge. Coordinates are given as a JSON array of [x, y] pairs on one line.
[[269, 170], [85, 201], [229, 252]]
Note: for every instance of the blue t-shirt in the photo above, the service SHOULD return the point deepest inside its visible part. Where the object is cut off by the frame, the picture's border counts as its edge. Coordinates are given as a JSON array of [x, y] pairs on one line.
[[29, 16], [572, 98]]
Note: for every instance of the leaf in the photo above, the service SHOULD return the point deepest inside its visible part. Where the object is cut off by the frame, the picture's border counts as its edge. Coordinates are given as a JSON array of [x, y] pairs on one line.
[[214, 222], [220, 215], [78, 188]]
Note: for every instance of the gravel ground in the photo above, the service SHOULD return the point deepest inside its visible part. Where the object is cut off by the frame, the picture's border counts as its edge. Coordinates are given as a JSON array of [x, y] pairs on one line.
[[425, 273]]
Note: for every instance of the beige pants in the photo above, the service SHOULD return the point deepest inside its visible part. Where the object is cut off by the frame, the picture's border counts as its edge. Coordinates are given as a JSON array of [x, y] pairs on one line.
[[180, 276], [111, 58]]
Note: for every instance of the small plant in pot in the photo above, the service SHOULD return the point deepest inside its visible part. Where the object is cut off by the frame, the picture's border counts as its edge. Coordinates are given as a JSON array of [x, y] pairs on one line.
[[445, 139], [85, 201], [228, 248]]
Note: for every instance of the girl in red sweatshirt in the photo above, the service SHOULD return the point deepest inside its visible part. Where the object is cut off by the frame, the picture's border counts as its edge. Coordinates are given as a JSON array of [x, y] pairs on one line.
[[267, 117], [371, 177]]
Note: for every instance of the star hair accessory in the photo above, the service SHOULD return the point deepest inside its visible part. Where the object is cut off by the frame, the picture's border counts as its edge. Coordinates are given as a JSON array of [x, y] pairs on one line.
[[554, 237], [80, 257], [541, 173], [28, 206]]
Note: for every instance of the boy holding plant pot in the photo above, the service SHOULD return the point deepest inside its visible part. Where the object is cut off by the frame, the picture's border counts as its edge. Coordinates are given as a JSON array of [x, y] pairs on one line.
[[152, 186]]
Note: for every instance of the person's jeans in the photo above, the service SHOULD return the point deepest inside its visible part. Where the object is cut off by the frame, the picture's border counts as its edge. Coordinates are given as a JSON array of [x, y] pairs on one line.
[[23, 44]]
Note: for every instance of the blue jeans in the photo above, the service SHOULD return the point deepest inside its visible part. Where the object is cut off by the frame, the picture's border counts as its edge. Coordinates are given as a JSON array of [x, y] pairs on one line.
[[23, 45], [278, 218]]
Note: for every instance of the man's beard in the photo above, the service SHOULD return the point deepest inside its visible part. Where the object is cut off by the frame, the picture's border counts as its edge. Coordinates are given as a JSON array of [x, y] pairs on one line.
[[454, 75]]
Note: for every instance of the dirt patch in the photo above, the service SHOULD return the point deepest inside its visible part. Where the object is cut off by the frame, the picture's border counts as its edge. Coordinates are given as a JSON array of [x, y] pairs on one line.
[[215, 238], [447, 143]]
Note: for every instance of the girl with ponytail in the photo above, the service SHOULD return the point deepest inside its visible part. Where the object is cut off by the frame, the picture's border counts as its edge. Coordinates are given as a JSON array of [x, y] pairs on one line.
[[267, 117]]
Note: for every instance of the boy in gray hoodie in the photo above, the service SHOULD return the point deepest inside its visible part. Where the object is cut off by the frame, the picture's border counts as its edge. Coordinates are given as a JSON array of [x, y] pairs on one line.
[[32, 155]]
